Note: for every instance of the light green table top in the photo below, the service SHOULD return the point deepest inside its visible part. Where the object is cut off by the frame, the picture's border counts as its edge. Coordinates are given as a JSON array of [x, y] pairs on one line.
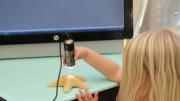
[[27, 79]]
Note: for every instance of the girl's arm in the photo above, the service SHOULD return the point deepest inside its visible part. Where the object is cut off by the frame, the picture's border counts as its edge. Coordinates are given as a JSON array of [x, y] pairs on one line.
[[104, 65]]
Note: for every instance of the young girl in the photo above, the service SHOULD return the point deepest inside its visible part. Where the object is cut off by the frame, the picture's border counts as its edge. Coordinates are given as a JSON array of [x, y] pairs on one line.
[[151, 68]]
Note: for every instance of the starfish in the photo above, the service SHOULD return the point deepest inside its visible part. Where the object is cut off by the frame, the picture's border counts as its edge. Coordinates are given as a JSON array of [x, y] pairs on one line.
[[70, 81]]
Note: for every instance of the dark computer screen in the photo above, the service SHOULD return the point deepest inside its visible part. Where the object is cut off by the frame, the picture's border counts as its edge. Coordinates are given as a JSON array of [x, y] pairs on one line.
[[60, 15], [31, 19]]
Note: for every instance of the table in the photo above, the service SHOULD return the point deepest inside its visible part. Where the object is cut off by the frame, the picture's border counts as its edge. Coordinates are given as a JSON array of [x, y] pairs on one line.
[[27, 79]]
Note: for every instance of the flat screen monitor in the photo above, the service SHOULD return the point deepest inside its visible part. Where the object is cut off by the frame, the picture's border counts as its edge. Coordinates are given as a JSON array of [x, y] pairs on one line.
[[37, 21]]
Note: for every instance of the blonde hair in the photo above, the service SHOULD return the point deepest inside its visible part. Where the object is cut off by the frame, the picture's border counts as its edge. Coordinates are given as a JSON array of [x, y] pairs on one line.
[[151, 67]]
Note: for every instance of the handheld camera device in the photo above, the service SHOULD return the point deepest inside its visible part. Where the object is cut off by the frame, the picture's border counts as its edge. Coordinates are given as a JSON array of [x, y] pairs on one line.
[[69, 53]]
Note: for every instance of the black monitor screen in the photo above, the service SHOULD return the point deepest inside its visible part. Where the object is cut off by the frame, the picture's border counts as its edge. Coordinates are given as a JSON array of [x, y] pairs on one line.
[[35, 18]]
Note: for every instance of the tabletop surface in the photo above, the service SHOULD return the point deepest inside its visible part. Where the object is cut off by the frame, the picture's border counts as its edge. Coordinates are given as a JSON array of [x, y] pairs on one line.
[[27, 79]]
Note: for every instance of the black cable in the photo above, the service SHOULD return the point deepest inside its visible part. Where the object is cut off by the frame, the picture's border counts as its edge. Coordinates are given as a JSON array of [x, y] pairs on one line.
[[60, 56], [69, 36]]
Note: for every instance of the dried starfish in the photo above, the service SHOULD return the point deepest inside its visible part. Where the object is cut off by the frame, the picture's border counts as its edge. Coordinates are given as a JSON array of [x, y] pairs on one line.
[[69, 81]]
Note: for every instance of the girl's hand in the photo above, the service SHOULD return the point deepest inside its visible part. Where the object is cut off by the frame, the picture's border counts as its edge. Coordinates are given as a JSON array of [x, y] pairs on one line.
[[87, 96], [80, 52]]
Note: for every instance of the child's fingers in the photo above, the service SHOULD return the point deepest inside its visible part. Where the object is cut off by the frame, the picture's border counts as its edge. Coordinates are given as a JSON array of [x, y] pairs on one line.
[[88, 94], [79, 97], [76, 56], [96, 97], [78, 52], [82, 97], [81, 92], [85, 98]]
